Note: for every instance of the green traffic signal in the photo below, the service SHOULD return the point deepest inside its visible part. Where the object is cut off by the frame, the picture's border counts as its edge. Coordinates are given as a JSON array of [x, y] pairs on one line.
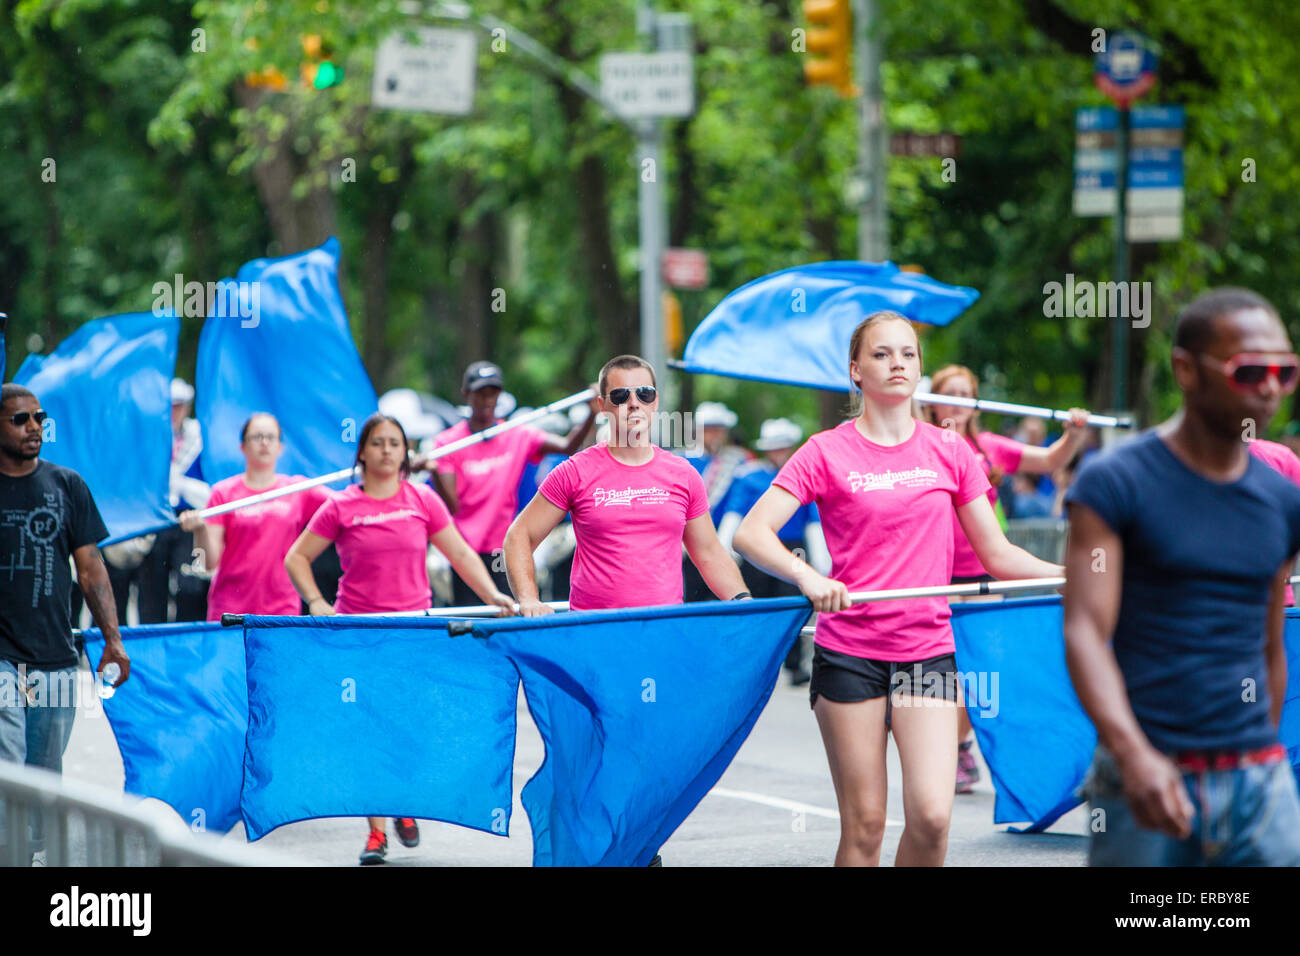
[[327, 75]]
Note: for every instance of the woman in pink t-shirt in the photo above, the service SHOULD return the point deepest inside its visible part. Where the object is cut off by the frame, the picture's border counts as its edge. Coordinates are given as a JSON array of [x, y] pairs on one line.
[[998, 456], [382, 529], [633, 504], [886, 486], [245, 549]]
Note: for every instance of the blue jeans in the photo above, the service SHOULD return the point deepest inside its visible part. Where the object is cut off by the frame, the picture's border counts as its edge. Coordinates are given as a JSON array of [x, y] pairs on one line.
[[37, 710], [1244, 817]]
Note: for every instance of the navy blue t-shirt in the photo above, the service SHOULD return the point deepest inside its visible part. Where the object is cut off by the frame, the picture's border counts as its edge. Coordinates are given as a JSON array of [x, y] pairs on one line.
[[1199, 560], [748, 486]]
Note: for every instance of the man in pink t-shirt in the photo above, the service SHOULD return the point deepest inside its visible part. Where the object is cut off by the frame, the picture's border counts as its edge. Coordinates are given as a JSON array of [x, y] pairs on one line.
[[633, 504], [480, 483]]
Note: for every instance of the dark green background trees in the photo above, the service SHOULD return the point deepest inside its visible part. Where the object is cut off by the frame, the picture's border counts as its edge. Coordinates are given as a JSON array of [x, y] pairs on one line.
[[166, 162]]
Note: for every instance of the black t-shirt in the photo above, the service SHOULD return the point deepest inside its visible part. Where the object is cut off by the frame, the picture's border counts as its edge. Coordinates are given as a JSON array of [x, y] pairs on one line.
[[1199, 560], [44, 517]]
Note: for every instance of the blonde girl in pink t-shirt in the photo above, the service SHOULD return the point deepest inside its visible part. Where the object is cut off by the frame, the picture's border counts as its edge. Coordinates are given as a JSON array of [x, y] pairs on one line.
[[382, 529], [886, 486], [1000, 456]]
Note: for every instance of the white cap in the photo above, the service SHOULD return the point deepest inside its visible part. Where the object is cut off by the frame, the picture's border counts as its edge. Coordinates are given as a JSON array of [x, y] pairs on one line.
[[182, 391], [778, 433], [715, 413]]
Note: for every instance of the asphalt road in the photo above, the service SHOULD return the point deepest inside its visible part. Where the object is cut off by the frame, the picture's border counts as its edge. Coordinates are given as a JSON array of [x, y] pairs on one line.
[[774, 806]]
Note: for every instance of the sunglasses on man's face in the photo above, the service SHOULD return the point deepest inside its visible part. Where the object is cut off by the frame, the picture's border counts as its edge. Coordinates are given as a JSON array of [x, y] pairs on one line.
[[22, 418], [645, 394], [1249, 370]]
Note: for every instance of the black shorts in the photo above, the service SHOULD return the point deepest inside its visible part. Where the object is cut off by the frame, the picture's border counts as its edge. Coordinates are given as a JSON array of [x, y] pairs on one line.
[[846, 679]]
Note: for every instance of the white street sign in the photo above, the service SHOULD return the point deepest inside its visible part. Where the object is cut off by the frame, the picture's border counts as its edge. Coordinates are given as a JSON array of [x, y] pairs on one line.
[[435, 74], [645, 85]]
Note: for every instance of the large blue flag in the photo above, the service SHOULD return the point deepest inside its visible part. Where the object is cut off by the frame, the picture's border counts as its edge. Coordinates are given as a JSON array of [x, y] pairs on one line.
[[793, 327], [278, 341], [376, 717], [642, 711], [106, 389], [1289, 726], [180, 718], [1034, 734]]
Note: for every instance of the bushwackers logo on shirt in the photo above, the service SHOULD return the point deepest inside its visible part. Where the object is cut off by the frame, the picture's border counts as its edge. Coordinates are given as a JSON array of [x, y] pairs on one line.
[[384, 516], [886, 480], [626, 496], [485, 466]]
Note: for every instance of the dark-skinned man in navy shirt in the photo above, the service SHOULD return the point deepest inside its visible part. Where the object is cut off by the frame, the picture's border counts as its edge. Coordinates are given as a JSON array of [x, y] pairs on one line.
[[1180, 547]]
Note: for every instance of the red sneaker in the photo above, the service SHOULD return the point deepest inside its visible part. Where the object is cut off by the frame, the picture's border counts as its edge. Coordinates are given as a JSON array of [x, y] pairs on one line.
[[407, 831], [376, 849]]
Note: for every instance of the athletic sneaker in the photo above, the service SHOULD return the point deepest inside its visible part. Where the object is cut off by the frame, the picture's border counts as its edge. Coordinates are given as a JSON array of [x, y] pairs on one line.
[[376, 849], [38, 858], [407, 831], [968, 771]]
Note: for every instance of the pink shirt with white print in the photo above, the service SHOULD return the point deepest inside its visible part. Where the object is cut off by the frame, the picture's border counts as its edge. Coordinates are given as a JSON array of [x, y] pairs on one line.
[[1284, 461], [998, 452], [250, 577], [629, 521], [887, 512], [487, 480], [383, 544]]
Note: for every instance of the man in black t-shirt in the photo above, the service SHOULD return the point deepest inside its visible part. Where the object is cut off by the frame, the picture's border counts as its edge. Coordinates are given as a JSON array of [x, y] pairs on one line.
[[46, 515], [1179, 551]]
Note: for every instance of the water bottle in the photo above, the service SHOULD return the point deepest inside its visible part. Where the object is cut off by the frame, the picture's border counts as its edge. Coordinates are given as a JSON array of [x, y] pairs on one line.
[[110, 676]]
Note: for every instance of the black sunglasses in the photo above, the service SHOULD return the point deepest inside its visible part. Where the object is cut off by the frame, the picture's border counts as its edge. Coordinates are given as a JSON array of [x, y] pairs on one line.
[[645, 394], [20, 419]]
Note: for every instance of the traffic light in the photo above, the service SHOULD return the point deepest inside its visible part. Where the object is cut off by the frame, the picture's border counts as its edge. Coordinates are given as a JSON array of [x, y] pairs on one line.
[[674, 335], [320, 72], [830, 36]]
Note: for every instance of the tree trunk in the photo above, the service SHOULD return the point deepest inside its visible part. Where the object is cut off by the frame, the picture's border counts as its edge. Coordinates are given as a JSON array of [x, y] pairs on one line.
[[297, 224]]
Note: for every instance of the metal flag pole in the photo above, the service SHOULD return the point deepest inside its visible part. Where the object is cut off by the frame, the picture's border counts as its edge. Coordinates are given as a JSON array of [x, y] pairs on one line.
[[575, 399], [469, 610], [1008, 408]]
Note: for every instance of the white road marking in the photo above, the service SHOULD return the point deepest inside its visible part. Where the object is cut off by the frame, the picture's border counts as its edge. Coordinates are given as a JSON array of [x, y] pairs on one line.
[[781, 804]]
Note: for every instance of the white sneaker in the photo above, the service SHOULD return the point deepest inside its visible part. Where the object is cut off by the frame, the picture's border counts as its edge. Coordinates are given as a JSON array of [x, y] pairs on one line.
[[38, 858]]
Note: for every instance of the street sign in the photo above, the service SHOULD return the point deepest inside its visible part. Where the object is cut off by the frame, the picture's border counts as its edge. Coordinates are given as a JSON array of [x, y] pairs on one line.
[[647, 85], [1155, 169], [925, 144], [434, 74], [1126, 68], [686, 268]]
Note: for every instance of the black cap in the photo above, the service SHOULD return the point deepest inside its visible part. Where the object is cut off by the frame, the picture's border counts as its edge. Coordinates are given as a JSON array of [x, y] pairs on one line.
[[481, 375]]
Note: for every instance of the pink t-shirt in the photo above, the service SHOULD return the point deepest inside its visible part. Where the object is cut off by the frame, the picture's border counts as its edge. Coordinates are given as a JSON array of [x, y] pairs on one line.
[[382, 546], [629, 521], [887, 515], [999, 452], [1284, 461], [487, 480], [250, 577]]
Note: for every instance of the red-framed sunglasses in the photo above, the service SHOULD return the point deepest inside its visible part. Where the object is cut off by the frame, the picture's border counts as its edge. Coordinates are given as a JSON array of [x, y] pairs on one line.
[[1249, 370]]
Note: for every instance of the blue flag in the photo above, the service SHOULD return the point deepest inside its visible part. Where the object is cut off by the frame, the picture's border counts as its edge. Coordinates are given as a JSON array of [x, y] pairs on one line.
[[279, 342], [793, 327], [1289, 726], [1034, 734], [180, 718], [364, 717], [642, 711], [106, 389]]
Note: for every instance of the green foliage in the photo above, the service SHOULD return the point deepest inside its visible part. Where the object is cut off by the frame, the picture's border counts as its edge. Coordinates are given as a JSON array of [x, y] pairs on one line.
[[159, 146]]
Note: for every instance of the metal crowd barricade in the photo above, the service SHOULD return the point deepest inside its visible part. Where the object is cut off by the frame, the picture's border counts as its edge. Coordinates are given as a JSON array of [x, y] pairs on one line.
[[1042, 537], [86, 825]]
